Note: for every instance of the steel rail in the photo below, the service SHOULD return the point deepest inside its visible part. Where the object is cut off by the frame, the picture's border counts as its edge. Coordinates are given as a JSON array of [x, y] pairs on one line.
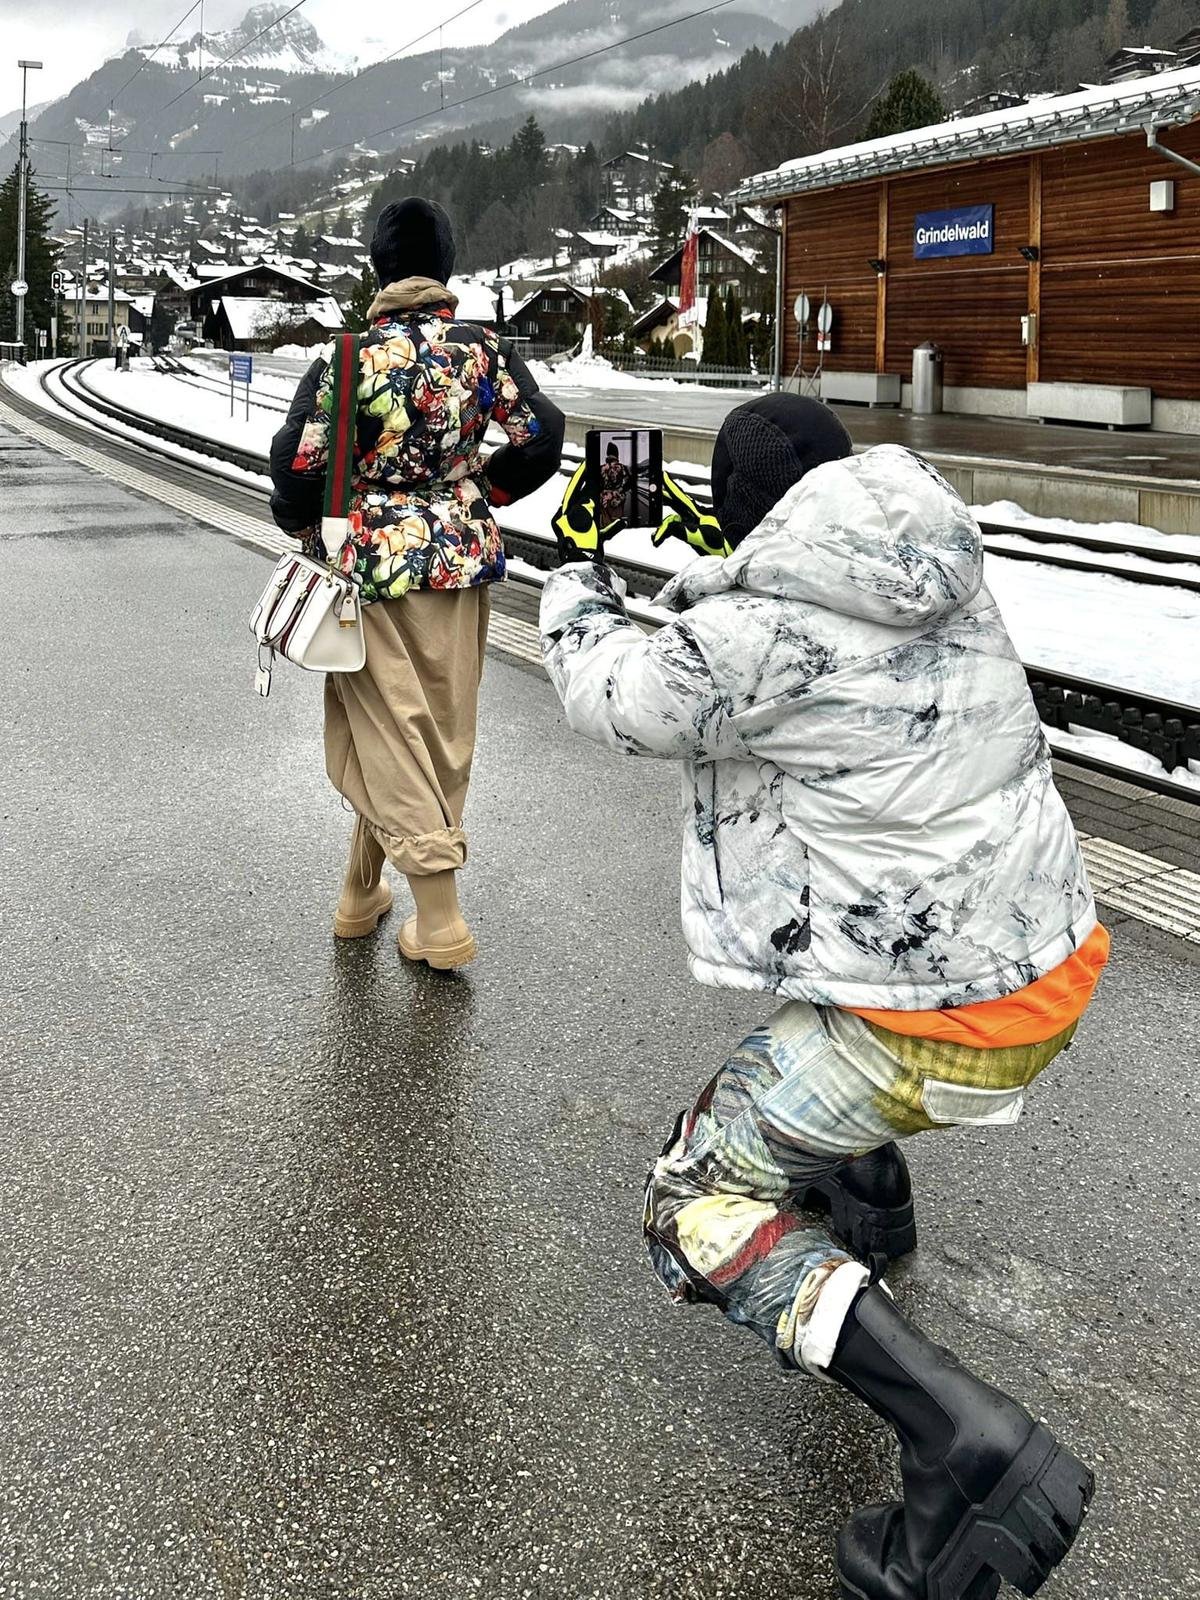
[[1163, 729]]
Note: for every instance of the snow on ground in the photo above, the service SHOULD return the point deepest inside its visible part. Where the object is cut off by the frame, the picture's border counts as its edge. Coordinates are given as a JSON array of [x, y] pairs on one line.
[[155, 394], [595, 372], [1095, 626], [1126, 535]]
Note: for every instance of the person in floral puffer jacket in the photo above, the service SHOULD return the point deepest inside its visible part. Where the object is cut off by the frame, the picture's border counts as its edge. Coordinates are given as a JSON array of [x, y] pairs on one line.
[[424, 547]]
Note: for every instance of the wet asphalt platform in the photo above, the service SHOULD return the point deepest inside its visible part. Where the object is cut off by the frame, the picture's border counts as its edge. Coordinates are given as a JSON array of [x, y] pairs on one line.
[[321, 1276]]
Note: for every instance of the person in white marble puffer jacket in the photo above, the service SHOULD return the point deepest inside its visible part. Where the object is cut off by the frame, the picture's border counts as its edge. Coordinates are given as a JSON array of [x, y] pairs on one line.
[[871, 814], [872, 832]]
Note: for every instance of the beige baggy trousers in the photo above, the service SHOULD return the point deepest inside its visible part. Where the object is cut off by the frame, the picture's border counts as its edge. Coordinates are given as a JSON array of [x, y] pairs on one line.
[[400, 734]]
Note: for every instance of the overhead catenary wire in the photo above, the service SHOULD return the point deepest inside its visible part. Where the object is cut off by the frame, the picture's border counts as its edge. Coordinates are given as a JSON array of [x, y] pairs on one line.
[[357, 76], [216, 67], [524, 78], [146, 60], [447, 105]]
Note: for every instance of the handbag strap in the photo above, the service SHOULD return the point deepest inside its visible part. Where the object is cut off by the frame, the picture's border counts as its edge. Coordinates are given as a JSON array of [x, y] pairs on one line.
[[343, 430]]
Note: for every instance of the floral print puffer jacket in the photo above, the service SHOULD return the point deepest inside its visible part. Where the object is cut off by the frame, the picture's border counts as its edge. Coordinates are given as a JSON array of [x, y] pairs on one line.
[[421, 514]]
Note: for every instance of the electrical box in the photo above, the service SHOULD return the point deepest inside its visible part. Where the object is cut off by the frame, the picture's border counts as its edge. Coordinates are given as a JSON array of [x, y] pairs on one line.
[[1029, 330], [1162, 195]]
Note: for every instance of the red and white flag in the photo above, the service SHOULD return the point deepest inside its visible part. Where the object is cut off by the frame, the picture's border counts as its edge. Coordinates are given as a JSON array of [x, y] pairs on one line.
[[691, 257]]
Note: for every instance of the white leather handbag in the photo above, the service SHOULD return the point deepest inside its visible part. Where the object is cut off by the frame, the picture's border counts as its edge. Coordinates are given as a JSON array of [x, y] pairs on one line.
[[310, 613]]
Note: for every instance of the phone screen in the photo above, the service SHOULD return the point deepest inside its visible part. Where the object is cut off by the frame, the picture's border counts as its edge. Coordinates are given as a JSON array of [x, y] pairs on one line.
[[625, 475]]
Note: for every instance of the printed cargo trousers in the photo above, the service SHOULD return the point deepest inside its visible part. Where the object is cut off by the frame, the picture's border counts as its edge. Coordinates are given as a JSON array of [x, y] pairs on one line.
[[809, 1090]]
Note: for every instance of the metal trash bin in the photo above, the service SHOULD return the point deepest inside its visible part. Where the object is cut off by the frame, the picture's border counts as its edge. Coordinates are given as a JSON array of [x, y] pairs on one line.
[[928, 378]]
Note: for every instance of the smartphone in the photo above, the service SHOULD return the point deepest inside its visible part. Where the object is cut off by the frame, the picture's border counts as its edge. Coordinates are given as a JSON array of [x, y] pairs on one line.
[[625, 475]]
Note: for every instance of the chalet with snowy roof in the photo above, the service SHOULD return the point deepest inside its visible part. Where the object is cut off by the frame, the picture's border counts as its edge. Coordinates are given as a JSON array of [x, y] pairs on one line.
[[615, 220], [559, 312], [661, 322], [331, 247], [1136, 60], [246, 322], [1051, 249], [251, 283], [721, 263], [630, 179]]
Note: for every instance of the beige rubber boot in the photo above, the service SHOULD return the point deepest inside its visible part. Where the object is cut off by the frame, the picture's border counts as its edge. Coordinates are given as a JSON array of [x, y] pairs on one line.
[[437, 934], [366, 896]]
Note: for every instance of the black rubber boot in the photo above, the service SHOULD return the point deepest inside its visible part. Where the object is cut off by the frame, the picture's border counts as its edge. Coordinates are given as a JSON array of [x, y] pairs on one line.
[[870, 1204], [988, 1492]]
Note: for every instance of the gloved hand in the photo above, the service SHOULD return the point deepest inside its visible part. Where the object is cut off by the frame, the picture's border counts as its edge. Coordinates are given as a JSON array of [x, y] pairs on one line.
[[579, 538], [686, 521]]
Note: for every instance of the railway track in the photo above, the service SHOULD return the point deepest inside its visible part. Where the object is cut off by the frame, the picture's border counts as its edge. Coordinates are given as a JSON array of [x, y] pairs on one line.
[[1164, 730]]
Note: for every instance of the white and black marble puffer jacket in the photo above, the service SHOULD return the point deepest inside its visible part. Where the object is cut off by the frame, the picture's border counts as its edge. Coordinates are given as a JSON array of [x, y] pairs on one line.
[[871, 818]]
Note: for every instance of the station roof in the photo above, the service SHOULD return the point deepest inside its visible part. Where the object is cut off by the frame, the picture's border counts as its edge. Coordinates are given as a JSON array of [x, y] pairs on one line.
[[1165, 99]]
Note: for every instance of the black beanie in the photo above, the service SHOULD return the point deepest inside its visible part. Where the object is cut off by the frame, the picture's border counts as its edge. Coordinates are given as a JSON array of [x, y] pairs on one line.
[[763, 449], [412, 239]]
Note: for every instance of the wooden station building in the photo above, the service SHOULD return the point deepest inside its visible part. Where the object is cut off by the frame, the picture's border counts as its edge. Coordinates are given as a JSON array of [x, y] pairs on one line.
[[1052, 251]]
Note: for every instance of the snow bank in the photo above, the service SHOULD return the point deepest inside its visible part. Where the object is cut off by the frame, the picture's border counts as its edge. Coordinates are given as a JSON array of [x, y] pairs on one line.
[[302, 352], [1125, 535]]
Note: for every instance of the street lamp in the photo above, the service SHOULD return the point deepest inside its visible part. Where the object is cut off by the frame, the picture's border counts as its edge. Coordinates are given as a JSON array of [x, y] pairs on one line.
[[20, 288]]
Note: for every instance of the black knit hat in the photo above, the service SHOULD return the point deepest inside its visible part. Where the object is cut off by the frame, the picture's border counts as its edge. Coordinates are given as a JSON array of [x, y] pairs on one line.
[[412, 239], [763, 449]]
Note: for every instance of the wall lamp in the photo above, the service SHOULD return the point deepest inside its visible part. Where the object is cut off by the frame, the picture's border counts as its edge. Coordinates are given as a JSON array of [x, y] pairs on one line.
[[1031, 252], [878, 266]]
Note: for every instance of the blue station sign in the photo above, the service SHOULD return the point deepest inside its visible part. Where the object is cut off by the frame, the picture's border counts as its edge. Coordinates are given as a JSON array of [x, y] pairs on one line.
[[965, 231], [241, 369]]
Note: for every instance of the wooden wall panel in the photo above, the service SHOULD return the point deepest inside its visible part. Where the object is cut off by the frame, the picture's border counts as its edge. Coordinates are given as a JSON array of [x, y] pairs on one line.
[[1126, 323], [1120, 283], [1118, 286], [971, 305], [831, 238]]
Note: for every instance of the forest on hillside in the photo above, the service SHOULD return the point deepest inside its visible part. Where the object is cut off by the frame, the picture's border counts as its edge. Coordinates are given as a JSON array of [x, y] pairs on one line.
[[818, 89]]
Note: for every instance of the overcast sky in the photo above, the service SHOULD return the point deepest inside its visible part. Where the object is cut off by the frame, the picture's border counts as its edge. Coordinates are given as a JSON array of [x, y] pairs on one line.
[[72, 39]]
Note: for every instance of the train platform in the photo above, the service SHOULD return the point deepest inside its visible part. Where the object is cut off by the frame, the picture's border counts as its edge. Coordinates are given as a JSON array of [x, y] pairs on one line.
[[1082, 473], [323, 1274], [1088, 474]]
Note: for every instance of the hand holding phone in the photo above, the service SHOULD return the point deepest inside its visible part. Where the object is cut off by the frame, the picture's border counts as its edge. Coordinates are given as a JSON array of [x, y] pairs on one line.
[[579, 535], [686, 521]]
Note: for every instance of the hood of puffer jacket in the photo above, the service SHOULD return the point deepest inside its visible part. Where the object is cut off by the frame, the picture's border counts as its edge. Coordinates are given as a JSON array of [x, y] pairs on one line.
[[881, 536]]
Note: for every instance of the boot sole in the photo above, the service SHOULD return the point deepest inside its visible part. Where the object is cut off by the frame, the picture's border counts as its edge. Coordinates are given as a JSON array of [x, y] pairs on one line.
[[359, 927], [889, 1231], [1020, 1533], [442, 959]]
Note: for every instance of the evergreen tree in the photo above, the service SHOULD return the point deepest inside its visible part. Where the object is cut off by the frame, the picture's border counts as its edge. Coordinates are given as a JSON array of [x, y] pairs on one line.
[[911, 102], [359, 303], [41, 258], [301, 244], [737, 350], [671, 201], [529, 150], [714, 348]]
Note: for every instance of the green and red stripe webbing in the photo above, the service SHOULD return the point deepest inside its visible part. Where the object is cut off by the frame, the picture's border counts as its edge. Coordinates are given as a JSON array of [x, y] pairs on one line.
[[343, 421]]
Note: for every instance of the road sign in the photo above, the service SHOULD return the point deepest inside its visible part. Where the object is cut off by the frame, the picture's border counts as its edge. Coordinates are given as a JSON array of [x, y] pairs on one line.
[[241, 369], [19, 288], [825, 318], [43, 338], [802, 308]]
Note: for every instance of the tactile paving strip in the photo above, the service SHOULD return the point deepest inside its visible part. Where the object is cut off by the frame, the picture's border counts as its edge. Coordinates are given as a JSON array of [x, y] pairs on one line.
[[1144, 887]]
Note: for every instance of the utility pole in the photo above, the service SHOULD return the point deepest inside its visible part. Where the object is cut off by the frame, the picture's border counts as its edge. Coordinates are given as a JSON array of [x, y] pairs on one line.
[[112, 291], [81, 299], [22, 202]]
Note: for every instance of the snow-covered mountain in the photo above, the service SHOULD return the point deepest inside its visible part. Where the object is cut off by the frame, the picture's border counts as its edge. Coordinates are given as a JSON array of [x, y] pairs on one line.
[[252, 108], [266, 39]]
